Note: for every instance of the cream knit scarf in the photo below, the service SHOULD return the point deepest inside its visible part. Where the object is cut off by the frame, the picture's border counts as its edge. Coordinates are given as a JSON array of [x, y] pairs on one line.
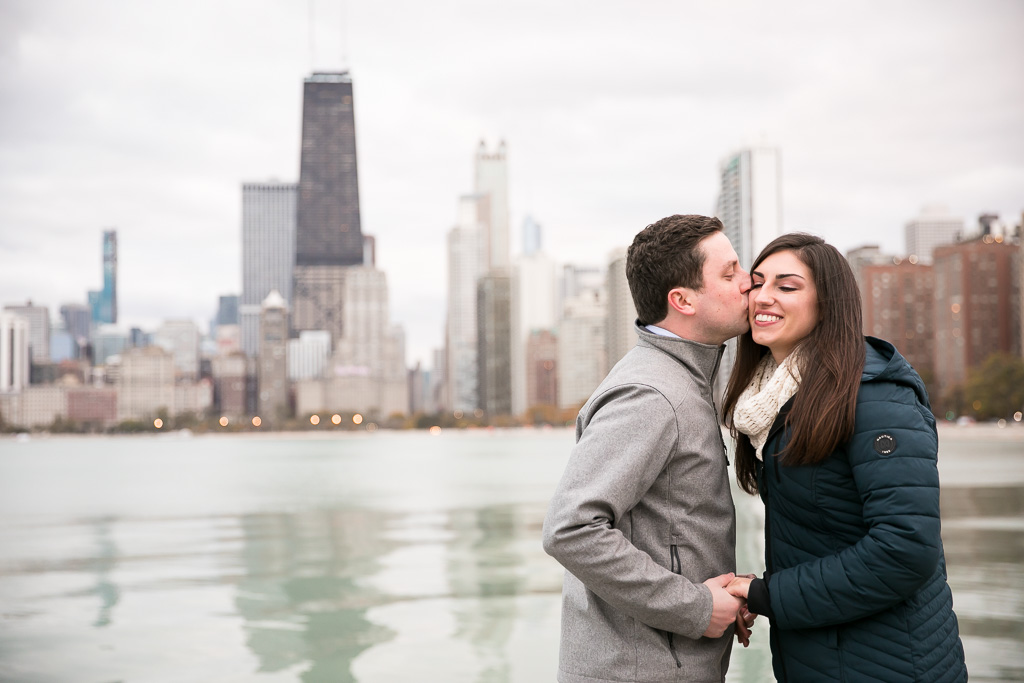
[[759, 404]]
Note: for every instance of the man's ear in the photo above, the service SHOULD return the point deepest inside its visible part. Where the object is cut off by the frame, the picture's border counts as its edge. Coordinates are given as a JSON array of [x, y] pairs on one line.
[[682, 300]]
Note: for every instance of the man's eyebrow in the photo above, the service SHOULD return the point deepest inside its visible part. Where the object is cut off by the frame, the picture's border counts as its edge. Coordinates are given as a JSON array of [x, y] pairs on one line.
[[731, 265]]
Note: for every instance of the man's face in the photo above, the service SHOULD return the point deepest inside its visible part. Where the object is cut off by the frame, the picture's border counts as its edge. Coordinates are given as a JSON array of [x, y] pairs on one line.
[[722, 304]]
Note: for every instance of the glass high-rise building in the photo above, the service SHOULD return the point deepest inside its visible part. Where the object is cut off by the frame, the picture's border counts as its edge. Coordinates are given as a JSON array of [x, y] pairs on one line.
[[38, 318], [328, 230], [491, 184], [750, 200], [103, 303], [494, 336], [750, 208], [465, 266], [268, 252], [77, 321], [227, 310]]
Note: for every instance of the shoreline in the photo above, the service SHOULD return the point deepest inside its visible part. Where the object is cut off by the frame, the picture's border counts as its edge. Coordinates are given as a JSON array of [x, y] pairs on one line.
[[987, 431], [304, 435]]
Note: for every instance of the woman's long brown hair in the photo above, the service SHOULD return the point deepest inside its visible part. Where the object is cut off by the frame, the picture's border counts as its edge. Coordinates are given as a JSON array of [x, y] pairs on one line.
[[832, 359]]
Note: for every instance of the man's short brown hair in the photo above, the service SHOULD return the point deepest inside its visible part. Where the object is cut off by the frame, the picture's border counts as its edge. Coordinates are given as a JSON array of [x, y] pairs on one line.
[[663, 256]]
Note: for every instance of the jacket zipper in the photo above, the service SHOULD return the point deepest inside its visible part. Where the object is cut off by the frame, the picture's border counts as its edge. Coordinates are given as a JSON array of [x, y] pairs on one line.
[[677, 568], [768, 560], [718, 424]]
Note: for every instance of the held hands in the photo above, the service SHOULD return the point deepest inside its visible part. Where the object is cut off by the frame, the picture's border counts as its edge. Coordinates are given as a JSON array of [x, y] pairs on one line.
[[739, 587], [729, 605], [724, 608]]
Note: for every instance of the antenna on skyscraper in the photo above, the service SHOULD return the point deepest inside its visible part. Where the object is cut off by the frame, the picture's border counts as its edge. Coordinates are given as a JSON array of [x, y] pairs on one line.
[[344, 35], [312, 36]]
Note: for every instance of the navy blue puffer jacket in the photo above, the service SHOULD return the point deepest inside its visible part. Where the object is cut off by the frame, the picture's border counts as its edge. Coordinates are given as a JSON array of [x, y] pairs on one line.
[[856, 574]]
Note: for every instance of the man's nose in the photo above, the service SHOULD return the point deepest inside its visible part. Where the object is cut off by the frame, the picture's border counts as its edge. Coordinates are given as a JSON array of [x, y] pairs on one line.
[[745, 281]]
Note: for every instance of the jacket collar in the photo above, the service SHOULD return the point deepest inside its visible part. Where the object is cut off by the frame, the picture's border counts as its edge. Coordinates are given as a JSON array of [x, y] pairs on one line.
[[780, 420], [701, 360]]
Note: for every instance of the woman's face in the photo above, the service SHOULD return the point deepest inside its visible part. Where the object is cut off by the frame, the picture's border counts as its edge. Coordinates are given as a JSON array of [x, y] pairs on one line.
[[783, 303]]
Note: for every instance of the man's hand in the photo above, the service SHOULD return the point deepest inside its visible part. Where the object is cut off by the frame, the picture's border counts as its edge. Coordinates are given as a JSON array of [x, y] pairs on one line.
[[724, 608]]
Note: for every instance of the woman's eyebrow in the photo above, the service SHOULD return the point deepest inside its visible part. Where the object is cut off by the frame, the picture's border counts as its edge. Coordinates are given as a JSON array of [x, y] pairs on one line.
[[779, 276]]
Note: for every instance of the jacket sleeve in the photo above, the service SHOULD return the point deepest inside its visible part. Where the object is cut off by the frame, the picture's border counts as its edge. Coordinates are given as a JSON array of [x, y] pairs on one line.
[[619, 454], [893, 459]]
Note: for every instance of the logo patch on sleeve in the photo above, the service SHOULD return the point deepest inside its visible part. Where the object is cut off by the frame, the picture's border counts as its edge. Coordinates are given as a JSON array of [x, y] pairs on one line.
[[885, 444]]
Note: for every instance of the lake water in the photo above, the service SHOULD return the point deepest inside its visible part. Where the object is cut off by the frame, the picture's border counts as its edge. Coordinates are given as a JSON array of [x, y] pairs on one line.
[[394, 556]]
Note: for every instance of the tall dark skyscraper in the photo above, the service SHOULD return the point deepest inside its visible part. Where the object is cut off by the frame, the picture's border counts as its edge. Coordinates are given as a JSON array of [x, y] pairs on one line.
[[328, 230], [328, 234]]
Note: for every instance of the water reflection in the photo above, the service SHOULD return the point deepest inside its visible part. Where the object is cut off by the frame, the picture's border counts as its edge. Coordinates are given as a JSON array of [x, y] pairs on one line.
[[302, 594], [488, 564], [103, 564], [320, 588], [983, 535]]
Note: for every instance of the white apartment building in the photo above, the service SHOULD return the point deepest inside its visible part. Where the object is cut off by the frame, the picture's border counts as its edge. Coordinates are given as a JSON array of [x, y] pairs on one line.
[[465, 267], [621, 329], [308, 355], [366, 372], [491, 184], [934, 227], [582, 356], [145, 383], [534, 307], [181, 339]]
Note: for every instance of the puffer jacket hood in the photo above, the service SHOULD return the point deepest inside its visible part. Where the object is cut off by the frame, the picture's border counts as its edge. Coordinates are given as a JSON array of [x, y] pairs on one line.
[[883, 363]]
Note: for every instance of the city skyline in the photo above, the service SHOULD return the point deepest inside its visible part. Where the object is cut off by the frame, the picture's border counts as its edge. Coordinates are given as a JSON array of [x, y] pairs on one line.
[[154, 135]]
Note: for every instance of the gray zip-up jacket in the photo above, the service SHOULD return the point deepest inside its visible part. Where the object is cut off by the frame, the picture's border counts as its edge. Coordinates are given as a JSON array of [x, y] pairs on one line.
[[642, 516]]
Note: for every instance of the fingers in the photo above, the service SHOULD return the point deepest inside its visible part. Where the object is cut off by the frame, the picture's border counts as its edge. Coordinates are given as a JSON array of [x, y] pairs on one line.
[[744, 623], [742, 631], [739, 587], [722, 580]]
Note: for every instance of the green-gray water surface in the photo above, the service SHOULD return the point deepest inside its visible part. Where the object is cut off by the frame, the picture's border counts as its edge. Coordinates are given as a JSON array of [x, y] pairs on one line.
[[377, 557]]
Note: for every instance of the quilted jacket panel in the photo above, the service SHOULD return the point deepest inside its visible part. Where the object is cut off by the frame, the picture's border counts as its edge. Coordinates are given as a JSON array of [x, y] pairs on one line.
[[856, 572]]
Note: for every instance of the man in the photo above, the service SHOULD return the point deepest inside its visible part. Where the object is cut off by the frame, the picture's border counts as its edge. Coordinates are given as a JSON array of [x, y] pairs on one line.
[[643, 518]]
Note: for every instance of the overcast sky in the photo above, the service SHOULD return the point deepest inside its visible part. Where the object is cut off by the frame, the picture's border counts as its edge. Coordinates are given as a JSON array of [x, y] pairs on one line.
[[148, 116]]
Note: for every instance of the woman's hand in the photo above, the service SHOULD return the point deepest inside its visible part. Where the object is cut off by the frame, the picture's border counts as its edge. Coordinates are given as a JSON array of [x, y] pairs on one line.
[[744, 624], [739, 587]]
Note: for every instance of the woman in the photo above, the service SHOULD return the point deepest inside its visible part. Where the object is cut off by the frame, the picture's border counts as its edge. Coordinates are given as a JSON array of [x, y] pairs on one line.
[[835, 433]]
